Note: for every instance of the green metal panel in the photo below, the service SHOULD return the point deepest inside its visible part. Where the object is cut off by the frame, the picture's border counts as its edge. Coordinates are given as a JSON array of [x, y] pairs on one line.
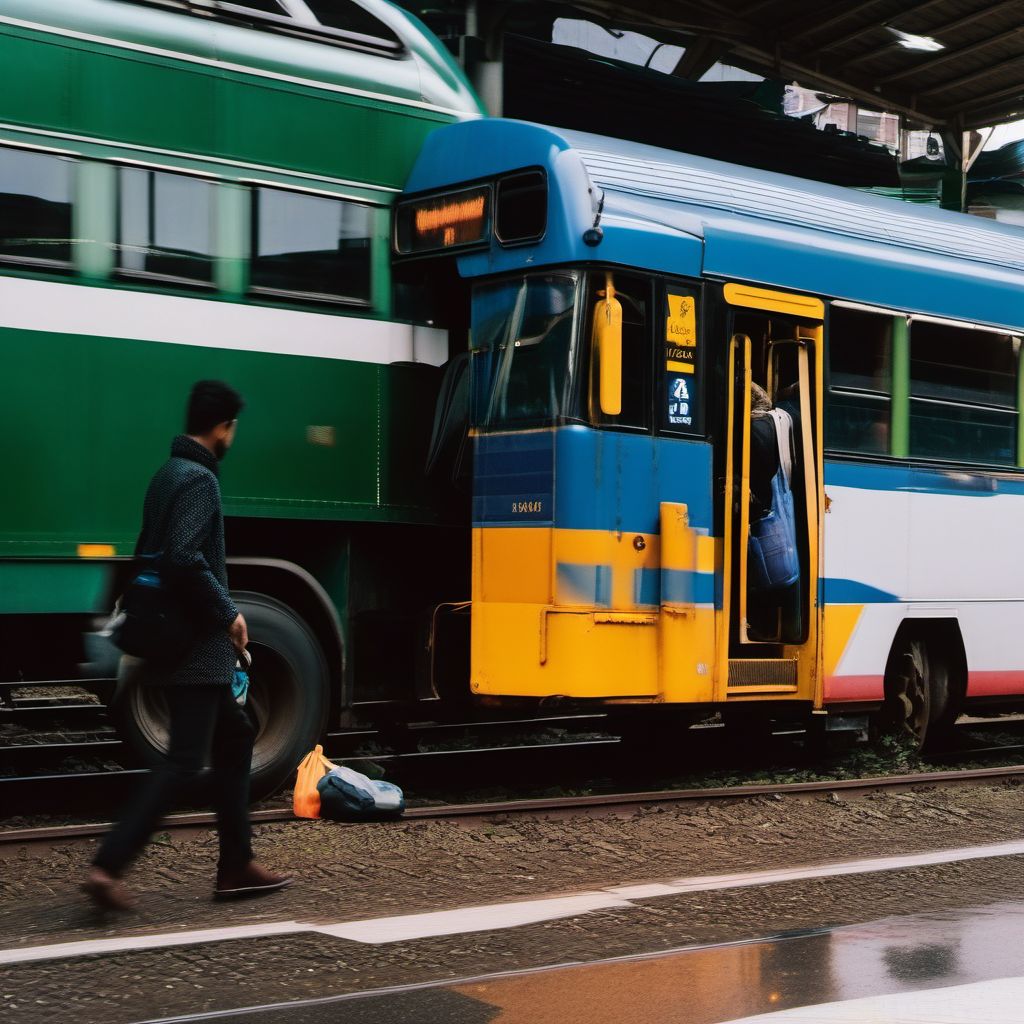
[[35, 588], [82, 479], [321, 134], [34, 86], [900, 405]]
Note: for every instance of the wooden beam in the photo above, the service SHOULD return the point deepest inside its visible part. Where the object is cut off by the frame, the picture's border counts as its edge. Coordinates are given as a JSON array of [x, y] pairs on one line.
[[699, 57], [790, 30], [969, 19], [1010, 92], [1014, 63]]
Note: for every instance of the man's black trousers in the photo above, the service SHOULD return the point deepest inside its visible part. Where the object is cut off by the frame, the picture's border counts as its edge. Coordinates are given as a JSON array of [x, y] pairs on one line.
[[208, 728]]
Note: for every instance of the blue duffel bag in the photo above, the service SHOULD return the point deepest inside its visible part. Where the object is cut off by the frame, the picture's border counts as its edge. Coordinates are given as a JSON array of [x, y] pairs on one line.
[[773, 562], [347, 795]]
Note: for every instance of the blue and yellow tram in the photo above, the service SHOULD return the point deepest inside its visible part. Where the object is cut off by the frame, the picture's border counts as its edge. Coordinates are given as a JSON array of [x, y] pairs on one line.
[[620, 300]]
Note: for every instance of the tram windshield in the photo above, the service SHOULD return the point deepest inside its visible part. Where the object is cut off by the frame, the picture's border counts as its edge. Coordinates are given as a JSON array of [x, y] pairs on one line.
[[524, 332]]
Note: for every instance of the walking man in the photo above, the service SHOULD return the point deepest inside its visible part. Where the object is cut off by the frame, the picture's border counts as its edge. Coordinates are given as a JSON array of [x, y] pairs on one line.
[[183, 521]]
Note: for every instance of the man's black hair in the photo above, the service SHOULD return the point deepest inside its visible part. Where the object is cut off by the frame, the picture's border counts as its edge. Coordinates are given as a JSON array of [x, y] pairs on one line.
[[211, 402]]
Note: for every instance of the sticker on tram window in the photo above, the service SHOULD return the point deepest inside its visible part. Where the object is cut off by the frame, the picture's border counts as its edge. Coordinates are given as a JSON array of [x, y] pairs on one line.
[[681, 366], [681, 322], [680, 401]]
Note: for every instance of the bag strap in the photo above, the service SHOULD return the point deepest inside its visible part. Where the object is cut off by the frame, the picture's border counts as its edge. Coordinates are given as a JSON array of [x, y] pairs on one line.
[[784, 438]]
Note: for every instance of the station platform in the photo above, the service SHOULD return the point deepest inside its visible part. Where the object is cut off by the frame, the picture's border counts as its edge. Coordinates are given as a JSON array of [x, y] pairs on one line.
[[687, 915]]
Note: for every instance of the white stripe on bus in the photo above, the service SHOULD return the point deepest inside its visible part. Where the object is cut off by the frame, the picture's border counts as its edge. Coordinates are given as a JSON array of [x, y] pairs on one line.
[[60, 308]]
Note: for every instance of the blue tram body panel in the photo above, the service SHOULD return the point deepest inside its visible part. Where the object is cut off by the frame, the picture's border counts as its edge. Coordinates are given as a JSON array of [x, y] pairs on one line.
[[586, 479], [613, 481]]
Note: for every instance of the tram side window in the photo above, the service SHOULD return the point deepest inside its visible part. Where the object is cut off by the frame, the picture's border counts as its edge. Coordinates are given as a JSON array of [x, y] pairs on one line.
[[165, 226], [857, 412], [963, 394], [35, 207], [310, 247], [634, 293]]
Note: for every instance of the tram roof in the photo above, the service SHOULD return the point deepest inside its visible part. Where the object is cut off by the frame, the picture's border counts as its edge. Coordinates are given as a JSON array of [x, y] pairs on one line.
[[678, 213]]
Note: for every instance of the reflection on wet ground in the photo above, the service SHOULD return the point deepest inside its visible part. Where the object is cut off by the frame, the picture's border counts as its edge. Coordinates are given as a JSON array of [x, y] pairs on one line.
[[715, 984]]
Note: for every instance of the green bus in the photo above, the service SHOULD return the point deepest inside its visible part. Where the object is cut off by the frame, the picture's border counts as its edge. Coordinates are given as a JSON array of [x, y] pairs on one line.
[[194, 189]]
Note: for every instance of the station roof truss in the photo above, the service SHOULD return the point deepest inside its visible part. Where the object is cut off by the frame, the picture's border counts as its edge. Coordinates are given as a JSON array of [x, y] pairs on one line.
[[864, 51]]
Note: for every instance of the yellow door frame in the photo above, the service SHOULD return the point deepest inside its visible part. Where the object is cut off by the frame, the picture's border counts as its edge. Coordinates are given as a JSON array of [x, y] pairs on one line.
[[808, 655]]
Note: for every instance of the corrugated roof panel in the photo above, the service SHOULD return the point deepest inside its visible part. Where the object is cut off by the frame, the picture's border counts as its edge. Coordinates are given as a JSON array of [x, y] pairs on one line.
[[787, 201]]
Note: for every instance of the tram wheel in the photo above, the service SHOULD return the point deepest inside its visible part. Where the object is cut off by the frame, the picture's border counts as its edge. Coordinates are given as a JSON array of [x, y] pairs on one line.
[[907, 711], [288, 695]]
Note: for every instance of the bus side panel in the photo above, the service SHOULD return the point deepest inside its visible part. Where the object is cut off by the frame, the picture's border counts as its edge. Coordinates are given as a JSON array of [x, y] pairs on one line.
[[914, 542]]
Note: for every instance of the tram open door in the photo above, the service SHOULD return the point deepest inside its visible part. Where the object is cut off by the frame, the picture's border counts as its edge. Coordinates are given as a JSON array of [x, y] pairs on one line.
[[769, 640]]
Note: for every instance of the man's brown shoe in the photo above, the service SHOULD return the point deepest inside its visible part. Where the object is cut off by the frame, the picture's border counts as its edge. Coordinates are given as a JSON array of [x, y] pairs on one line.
[[107, 892], [249, 880]]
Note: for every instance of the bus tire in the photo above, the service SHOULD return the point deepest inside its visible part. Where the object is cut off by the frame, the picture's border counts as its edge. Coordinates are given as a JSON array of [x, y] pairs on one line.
[[288, 698], [910, 696]]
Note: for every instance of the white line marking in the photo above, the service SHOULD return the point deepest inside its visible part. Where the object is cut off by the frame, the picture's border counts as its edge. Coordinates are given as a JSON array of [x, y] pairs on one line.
[[706, 883], [472, 919], [62, 308], [496, 916], [130, 943]]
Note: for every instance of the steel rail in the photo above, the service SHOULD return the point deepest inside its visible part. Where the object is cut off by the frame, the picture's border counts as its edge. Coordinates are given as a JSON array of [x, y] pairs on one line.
[[970, 776]]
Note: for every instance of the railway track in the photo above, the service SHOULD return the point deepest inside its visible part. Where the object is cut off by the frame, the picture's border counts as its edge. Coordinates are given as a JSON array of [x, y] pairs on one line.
[[56, 772], [65, 775], [21, 837]]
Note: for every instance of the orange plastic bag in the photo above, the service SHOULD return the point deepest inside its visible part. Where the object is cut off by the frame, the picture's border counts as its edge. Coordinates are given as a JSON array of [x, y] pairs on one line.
[[306, 798]]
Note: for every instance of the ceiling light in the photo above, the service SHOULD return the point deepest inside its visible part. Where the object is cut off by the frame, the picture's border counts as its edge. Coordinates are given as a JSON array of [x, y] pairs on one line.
[[912, 42]]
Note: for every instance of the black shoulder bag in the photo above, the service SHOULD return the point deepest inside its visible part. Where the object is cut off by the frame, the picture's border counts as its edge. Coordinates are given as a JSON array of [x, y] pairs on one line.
[[152, 622]]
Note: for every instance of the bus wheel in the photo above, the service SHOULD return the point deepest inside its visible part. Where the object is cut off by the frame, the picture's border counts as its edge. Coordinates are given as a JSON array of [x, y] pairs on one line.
[[907, 710], [287, 702]]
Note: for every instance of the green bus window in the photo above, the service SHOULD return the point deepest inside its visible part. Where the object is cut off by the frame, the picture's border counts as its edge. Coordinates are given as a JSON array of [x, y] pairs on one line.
[[263, 6], [634, 294], [963, 394], [165, 226], [857, 409], [35, 207], [346, 16], [310, 247]]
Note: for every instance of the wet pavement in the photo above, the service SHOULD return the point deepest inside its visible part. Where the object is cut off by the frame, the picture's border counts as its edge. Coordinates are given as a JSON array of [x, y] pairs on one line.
[[951, 966]]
